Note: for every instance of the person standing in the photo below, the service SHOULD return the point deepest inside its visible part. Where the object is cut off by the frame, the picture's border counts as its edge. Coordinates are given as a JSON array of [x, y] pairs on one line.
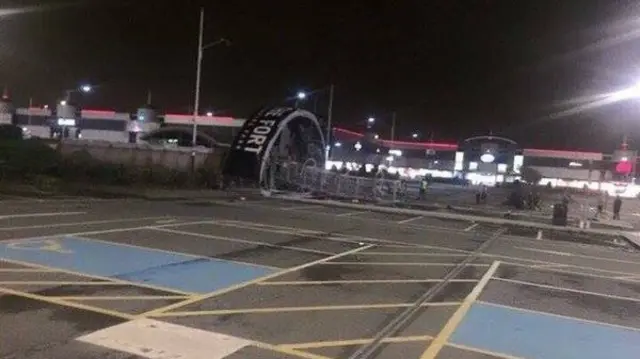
[[617, 205]]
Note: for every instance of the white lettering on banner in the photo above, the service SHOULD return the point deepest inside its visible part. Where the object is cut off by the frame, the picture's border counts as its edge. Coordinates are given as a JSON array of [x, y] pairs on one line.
[[262, 130], [277, 112], [259, 135]]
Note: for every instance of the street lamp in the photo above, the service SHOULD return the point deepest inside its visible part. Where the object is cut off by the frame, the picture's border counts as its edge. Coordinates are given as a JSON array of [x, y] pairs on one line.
[[300, 96], [82, 89], [415, 135], [196, 104]]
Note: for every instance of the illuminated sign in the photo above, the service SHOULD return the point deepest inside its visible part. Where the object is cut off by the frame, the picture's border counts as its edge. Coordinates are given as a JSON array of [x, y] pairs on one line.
[[487, 158], [518, 161], [624, 167], [66, 122]]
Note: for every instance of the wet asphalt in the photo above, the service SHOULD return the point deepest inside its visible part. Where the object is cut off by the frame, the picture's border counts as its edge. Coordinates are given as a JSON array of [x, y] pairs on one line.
[[325, 302]]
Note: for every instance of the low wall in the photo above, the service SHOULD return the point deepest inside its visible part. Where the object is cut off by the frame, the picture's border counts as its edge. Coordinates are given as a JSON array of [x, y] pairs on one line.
[[144, 154]]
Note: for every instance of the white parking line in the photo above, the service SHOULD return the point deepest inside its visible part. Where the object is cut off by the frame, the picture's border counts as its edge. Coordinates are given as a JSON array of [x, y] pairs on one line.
[[410, 220], [564, 289], [471, 227], [348, 214], [48, 214], [198, 298], [238, 240], [68, 224], [546, 251], [296, 208]]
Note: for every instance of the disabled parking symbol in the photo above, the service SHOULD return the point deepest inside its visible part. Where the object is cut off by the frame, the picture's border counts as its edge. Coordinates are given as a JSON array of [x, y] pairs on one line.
[[44, 245]]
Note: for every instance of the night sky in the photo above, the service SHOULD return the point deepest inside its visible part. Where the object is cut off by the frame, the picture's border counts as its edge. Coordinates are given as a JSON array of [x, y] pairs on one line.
[[451, 68]]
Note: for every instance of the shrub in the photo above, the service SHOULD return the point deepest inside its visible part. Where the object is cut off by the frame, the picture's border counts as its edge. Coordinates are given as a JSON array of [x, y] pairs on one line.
[[23, 159]]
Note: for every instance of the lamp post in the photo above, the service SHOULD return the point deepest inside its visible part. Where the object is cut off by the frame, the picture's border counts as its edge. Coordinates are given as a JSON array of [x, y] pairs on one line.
[[196, 100], [81, 89], [302, 95]]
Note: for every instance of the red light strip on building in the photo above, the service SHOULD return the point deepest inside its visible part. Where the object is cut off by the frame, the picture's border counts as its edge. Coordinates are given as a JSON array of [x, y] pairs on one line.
[[99, 113], [562, 152], [389, 143], [200, 118]]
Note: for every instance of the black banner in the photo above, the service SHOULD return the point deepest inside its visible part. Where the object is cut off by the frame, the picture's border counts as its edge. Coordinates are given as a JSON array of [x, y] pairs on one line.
[[248, 150]]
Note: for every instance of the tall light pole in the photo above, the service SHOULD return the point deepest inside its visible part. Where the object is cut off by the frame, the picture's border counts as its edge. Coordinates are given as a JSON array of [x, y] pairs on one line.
[[393, 126], [83, 89], [196, 101], [329, 115]]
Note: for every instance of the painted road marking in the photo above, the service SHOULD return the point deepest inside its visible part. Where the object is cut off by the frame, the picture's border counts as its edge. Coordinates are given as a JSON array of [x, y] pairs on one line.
[[154, 340], [69, 224], [557, 253], [348, 342], [363, 281], [296, 208], [268, 310], [238, 240], [166, 221], [518, 333], [194, 256], [46, 245], [588, 321], [65, 303], [199, 298], [349, 214], [564, 289], [25, 270], [137, 264], [121, 297], [97, 277], [426, 264], [49, 214], [471, 227], [410, 220], [56, 282], [443, 337]]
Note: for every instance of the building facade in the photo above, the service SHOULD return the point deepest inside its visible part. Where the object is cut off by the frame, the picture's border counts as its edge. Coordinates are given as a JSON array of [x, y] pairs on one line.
[[486, 160]]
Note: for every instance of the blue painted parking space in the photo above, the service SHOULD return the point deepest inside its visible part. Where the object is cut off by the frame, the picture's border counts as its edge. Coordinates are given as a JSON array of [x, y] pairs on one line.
[[135, 264], [541, 336]]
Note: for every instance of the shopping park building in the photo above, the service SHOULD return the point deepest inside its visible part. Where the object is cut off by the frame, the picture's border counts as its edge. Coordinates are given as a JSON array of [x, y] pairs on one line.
[[487, 160], [481, 159]]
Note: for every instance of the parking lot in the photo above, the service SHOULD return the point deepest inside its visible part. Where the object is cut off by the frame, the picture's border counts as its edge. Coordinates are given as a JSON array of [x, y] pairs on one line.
[[267, 279]]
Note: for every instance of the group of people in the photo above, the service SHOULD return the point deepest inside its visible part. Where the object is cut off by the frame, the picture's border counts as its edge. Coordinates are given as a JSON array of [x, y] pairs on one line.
[[602, 205]]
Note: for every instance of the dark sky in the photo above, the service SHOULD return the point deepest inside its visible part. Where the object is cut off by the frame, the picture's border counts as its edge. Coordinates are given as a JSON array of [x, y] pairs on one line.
[[454, 68]]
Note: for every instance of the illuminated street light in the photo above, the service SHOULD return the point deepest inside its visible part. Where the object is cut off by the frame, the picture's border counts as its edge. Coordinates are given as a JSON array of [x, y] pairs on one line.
[[358, 146], [376, 136], [86, 88], [209, 114], [371, 120], [63, 102], [337, 144], [301, 95], [414, 135], [632, 92]]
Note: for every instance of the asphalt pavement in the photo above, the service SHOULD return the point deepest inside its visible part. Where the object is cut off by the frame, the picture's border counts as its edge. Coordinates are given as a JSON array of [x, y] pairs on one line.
[[267, 279]]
